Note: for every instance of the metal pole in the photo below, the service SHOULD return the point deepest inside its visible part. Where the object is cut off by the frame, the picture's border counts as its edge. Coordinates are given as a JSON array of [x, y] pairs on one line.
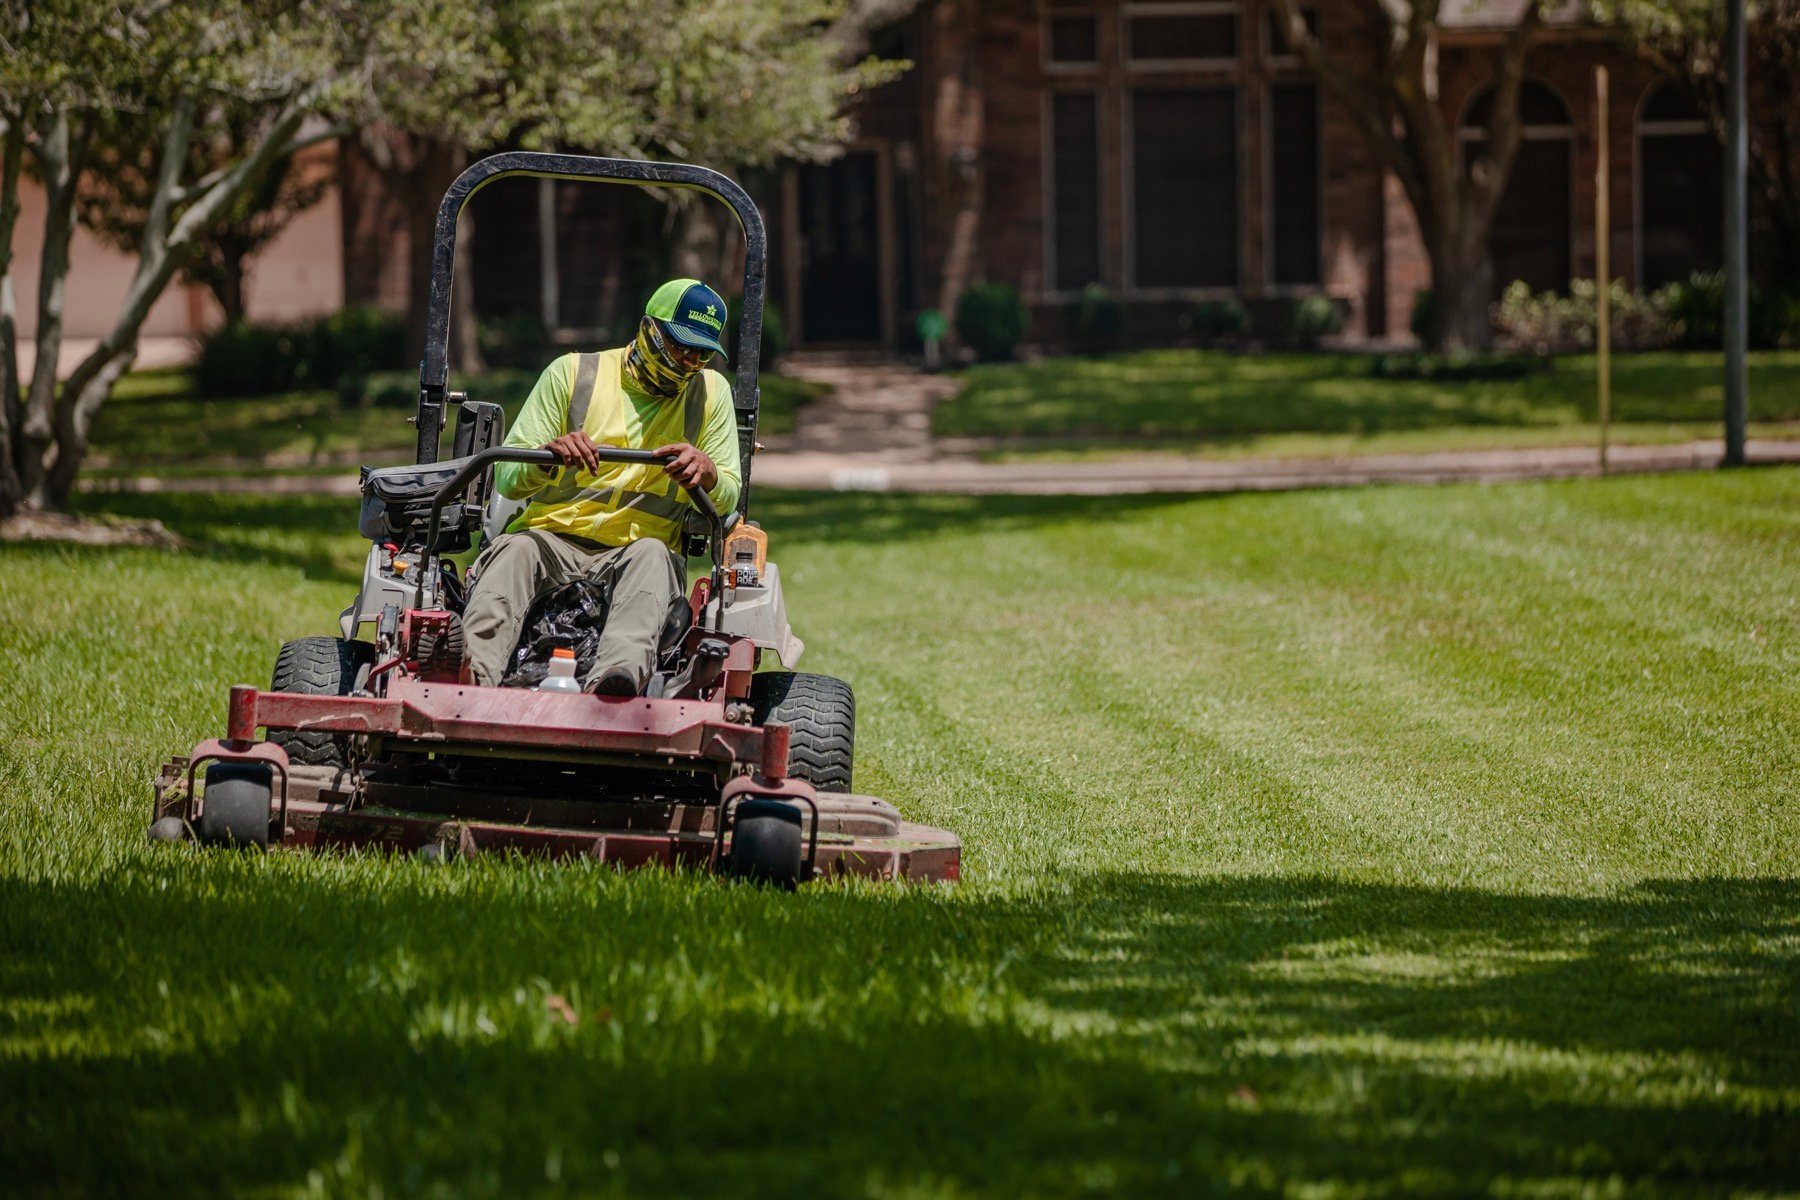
[[1737, 288], [1603, 256], [549, 285]]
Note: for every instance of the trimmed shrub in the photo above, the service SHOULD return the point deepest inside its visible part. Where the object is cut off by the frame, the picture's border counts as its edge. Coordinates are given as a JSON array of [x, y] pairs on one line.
[[1424, 308], [991, 320], [1096, 318], [1775, 321], [352, 340], [243, 359], [1311, 319], [1216, 321], [519, 340], [1549, 323], [1695, 309]]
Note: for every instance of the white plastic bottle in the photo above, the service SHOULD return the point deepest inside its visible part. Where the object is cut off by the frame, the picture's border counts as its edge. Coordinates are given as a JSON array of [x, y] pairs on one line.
[[562, 673]]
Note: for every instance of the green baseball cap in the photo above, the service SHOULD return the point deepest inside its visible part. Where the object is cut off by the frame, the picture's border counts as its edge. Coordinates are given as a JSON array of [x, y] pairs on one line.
[[693, 313]]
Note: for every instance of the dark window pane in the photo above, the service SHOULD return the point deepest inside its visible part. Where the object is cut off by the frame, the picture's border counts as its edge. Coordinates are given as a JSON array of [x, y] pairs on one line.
[[1671, 103], [1530, 236], [839, 250], [1278, 43], [1074, 39], [1075, 188], [1682, 177], [1185, 184], [1200, 35], [1294, 178]]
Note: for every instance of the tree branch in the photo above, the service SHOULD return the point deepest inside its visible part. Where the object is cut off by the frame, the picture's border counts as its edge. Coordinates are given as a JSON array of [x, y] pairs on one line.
[[168, 175], [1372, 106], [1486, 180], [330, 133], [90, 383]]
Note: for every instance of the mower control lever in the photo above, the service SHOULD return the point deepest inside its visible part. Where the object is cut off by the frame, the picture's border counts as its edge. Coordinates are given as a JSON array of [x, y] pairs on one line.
[[476, 464]]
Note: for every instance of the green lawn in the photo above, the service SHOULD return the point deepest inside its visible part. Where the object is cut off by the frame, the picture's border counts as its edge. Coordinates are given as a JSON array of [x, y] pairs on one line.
[[155, 421], [1341, 843], [1197, 401]]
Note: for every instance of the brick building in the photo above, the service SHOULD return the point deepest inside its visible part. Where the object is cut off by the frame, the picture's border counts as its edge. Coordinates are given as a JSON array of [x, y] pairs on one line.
[[1173, 151], [1169, 150]]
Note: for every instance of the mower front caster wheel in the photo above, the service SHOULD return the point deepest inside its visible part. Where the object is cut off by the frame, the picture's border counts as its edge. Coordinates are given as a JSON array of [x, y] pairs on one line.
[[235, 806], [169, 829], [767, 844]]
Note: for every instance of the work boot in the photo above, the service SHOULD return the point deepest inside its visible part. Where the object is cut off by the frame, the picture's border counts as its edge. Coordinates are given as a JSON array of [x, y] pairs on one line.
[[616, 681]]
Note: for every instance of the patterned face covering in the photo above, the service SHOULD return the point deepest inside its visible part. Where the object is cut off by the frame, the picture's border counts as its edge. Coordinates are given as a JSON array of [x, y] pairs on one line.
[[651, 368]]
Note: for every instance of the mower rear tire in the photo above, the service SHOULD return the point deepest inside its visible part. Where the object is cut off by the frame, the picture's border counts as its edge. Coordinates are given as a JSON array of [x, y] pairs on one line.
[[820, 713], [318, 666], [766, 844], [235, 806]]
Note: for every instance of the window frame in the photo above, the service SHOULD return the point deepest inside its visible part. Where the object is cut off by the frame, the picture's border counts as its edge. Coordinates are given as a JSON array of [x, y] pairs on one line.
[[1055, 67], [1181, 8]]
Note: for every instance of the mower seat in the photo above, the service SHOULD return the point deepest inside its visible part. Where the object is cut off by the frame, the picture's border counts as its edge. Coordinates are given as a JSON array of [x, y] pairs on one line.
[[396, 505]]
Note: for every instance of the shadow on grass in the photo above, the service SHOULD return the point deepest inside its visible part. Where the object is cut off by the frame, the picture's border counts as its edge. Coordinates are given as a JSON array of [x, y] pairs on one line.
[[318, 534], [190, 1026], [882, 517], [314, 534]]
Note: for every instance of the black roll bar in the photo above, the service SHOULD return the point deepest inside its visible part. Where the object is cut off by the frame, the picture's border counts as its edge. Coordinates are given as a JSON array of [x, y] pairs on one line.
[[434, 369], [477, 464]]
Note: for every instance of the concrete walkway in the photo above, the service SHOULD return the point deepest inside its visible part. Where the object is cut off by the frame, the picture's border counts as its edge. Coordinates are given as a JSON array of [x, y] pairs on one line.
[[876, 406]]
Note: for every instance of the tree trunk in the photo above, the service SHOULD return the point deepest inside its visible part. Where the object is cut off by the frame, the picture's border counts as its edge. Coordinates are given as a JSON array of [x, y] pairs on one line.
[[225, 280], [700, 243], [12, 148], [166, 241], [1460, 297], [83, 395], [59, 161]]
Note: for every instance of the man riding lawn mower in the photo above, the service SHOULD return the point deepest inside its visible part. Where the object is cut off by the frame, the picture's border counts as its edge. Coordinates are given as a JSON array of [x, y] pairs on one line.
[[692, 742], [612, 522]]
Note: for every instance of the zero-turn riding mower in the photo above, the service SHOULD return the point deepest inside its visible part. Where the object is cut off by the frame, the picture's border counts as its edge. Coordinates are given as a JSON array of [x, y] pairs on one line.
[[387, 743]]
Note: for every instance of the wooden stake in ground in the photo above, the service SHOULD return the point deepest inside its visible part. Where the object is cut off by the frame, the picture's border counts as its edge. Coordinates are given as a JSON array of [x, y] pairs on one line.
[[1603, 257]]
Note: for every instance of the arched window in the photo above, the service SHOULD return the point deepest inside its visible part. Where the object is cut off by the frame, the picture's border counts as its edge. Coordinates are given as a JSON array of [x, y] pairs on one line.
[[1680, 177], [1531, 236]]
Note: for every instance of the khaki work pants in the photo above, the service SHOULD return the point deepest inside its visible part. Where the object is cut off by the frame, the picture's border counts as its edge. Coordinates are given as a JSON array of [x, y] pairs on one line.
[[514, 569]]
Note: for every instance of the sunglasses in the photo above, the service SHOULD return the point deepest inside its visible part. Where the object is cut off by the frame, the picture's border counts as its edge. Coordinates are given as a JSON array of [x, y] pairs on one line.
[[687, 356]]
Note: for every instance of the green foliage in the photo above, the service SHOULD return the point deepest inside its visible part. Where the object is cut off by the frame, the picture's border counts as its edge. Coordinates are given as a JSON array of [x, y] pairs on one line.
[[1695, 311], [1096, 319], [774, 331], [1310, 319], [247, 359], [1776, 321], [1423, 312], [991, 320], [1216, 321], [519, 340], [1278, 873], [1551, 323]]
